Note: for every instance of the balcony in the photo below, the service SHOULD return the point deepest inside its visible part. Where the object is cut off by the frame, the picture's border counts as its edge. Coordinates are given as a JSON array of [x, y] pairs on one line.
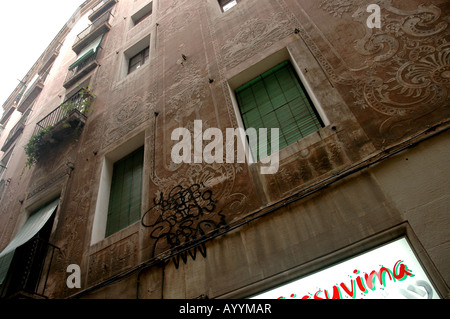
[[67, 118], [82, 67], [7, 114], [102, 8], [32, 93], [50, 57], [97, 28], [15, 132], [36, 85], [29, 272], [77, 104]]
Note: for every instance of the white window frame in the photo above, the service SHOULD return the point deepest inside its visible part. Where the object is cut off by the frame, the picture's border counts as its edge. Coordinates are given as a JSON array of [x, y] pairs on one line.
[[101, 209]]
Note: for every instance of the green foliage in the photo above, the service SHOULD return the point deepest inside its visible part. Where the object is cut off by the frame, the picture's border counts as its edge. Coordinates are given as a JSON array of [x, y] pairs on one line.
[[34, 147], [83, 104], [87, 96]]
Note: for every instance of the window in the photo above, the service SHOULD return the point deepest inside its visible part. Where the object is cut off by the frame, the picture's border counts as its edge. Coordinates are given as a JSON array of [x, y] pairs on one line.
[[142, 14], [101, 8], [87, 61], [277, 99], [4, 162], [15, 132], [87, 55], [22, 261], [125, 196], [138, 60], [110, 198], [226, 5], [135, 56]]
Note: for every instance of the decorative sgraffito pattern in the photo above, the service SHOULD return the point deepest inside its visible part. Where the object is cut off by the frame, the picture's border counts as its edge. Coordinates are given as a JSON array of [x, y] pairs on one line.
[[261, 33], [52, 169], [180, 22], [410, 75], [72, 221], [186, 100], [311, 163], [404, 64], [128, 115], [111, 260], [337, 8], [169, 7]]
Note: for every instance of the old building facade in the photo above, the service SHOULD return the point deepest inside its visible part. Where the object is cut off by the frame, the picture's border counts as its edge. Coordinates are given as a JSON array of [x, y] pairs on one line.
[[93, 204]]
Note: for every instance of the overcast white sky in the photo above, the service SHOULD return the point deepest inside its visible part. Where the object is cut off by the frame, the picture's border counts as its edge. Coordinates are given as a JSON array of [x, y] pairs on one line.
[[27, 27]]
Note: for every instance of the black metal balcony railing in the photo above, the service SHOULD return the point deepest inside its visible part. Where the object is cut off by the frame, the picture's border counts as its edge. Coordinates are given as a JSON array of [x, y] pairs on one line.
[[104, 18], [30, 270], [77, 103]]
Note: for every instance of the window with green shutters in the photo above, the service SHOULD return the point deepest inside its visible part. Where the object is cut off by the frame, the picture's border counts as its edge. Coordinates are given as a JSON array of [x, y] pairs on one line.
[[126, 188], [277, 99]]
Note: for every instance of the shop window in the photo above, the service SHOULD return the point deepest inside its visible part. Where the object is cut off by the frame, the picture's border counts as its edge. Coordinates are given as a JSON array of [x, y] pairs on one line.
[[390, 271]]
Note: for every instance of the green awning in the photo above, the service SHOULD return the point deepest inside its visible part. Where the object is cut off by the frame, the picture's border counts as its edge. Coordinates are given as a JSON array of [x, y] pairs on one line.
[[86, 56], [89, 51], [32, 226]]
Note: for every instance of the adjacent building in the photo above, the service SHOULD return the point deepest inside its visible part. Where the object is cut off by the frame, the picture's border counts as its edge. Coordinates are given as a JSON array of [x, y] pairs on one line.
[[128, 167]]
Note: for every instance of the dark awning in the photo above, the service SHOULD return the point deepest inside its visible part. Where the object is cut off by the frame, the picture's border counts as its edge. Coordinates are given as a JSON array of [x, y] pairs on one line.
[[32, 226]]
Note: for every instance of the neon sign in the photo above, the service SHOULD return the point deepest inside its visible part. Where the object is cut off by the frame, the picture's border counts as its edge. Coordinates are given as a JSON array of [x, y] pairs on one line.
[[391, 271]]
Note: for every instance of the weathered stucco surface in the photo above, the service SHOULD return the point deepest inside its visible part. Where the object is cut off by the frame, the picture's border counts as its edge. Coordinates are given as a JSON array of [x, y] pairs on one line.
[[380, 89]]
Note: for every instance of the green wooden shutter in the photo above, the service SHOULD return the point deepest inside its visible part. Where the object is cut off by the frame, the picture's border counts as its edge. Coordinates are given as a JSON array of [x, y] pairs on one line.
[[277, 99], [126, 190]]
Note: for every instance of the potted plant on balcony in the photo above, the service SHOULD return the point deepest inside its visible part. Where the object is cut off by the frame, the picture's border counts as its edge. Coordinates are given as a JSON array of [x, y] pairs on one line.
[[34, 147], [81, 104]]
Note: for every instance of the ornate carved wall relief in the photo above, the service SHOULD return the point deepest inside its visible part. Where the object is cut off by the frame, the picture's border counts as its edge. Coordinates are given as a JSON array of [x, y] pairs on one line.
[[404, 73]]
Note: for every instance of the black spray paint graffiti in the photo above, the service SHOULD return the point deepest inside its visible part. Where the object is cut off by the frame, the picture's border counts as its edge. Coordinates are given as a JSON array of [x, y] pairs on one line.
[[186, 215]]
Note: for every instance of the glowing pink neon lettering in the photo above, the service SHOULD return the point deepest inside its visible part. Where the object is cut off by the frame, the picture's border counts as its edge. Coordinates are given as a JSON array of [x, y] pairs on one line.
[[365, 283]]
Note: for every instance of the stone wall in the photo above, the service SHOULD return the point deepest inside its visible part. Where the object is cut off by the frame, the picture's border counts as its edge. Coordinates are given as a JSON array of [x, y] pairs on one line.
[[377, 89]]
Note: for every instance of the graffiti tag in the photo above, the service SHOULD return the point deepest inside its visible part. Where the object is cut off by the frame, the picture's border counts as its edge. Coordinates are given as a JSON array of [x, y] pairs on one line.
[[185, 216]]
